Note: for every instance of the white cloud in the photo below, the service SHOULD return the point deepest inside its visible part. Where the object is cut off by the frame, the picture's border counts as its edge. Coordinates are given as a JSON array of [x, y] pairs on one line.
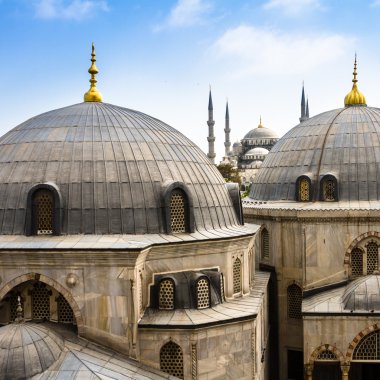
[[186, 13], [68, 9], [293, 7], [260, 51]]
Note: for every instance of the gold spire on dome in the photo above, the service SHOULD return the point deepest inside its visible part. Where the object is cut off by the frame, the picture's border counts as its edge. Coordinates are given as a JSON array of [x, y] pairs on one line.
[[93, 95], [260, 125], [354, 97]]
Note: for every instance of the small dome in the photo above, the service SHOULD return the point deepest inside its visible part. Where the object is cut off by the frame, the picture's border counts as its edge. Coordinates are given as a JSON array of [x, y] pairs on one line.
[[258, 151], [237, 143], [261, 133], [27, 349], [363, 294]]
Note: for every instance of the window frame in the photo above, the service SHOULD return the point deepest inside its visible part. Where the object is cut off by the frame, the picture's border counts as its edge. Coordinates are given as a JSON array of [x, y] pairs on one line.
[[299, 180], [335, 194]]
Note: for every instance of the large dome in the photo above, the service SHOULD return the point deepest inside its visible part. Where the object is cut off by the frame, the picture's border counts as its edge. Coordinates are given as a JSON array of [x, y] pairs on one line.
[[110, 165], [260, 133], [343, 143]]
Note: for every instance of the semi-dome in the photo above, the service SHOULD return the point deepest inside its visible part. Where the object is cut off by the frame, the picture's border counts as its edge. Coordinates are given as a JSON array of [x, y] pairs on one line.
[[109, 167], [27, 349]]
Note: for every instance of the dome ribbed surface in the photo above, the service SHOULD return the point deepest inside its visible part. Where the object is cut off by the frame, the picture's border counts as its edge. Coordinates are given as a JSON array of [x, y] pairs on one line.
[[343, 142], [27, 350], [109, 164], [261, 133]]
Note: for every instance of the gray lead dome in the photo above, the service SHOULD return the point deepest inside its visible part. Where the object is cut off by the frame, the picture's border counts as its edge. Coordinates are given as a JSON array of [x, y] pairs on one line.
[[110, 165], [344, 143]]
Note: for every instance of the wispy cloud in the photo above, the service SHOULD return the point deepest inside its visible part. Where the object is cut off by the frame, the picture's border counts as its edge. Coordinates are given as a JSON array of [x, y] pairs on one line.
[[186, 13], [375, 3], [68, 9], [259, 51], [293, 7]]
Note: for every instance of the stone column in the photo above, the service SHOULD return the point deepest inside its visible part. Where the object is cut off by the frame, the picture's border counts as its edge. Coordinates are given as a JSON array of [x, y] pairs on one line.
[[309, 371], [345, 370]]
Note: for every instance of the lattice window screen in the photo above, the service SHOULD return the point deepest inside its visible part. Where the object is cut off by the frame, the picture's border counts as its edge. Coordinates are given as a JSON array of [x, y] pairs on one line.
[[65, 313], [329, 190], [178, 211], [265, 243], [237, 276], [372, 257], [171, 359], [43, 203], [294, 302], [368, 348], [166, 295], [356, 262], [203, 294], [40, 302], [304, 190], [327, 355]]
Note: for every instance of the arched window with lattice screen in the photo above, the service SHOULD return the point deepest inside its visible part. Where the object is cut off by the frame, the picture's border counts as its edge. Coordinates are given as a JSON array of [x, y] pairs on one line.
[[372, 257], [264, 244], [326, 355], [166, 294], [368, 348], [178, 211], [237, 276], [65, 313], [40, 302], [303, 185], [294, 301], [356, 262], [203, 293], [171, 359], [329, 188], [43, 212]]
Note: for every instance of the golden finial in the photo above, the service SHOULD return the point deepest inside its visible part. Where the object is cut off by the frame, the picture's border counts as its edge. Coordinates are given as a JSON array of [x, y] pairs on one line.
[[354, 97], [93, 95], [260, 125]]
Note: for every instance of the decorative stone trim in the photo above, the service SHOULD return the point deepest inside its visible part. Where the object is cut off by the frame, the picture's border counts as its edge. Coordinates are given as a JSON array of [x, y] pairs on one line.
[[194, 361], [326, 347], [54, 284], [356, 241], [358, 338]]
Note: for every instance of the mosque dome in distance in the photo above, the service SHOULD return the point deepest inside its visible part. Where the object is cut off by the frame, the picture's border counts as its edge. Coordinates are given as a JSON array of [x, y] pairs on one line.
[[260, 132]]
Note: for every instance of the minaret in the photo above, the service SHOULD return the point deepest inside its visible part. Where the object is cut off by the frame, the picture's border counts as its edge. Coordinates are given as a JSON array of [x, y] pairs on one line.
[[307, 108], [211, 137], [303, 105], [227, 130], [93, 94]]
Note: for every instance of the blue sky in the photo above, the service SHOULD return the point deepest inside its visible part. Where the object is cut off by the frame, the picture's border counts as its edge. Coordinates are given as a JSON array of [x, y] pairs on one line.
[[159, 57]]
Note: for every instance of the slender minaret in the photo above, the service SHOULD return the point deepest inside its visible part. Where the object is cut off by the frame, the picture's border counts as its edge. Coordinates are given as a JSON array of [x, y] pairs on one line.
[[227, 130], [307, 108], [303, 105], [211, 137]]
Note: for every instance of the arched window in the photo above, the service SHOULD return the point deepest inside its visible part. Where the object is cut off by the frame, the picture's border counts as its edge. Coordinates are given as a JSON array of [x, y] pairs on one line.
[[166, 294], [303, 185], [356, 262], [372, 257], [326, 355], [41, 302], [171, 359], [329, 188], [264, 244], [203, 293], [368, 348], [237, 276], [43, 212], [294, 301], [178, 212]]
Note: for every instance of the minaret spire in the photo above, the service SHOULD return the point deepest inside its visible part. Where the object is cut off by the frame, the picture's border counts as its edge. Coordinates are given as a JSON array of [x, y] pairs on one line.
[[93, 95], [307, 108], [303, 105], [210, 123], [227, 130]]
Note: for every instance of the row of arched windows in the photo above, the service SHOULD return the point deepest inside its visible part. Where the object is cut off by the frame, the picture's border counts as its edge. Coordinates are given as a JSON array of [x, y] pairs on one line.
[[328, 189], [44, 203]]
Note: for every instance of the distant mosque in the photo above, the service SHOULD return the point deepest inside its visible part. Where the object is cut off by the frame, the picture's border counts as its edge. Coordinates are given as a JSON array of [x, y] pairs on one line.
[[247, 154]]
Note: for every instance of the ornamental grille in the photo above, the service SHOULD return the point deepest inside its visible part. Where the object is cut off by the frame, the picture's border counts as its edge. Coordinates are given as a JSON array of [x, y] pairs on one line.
[[327, 355], [166, 295], [13, 303], [372, 257], [329, 190], [265, 243], [368, 348], [171, 359], [356, 262], [221, 287], [294, 302], [304, 190], [43, 203], [177, 211], [237, 276], [65, 313], [203, 294], [40, 302]]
